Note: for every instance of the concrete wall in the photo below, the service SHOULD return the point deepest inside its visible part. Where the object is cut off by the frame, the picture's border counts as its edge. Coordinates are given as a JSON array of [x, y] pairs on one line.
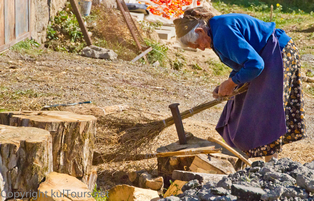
[[41, 12]]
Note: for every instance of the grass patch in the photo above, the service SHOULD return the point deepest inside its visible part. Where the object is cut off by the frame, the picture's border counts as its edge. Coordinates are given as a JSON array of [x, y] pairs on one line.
[[159, 52], [99, 195], [28, 46], [218, 68]]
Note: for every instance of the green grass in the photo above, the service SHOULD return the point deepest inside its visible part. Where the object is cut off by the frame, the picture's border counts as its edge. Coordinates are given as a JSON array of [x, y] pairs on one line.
[[218, 68], [27, 46], [99, 195]]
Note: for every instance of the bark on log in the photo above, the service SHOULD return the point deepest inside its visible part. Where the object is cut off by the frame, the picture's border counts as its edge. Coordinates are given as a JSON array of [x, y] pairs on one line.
[[72, 137], [25, 159]]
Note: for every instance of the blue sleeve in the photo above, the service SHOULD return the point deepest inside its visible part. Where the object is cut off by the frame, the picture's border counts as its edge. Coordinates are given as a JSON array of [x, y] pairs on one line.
[[232, 45], [233, 72]]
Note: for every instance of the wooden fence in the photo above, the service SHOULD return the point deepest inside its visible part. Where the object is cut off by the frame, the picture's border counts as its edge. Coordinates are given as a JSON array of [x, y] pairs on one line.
[[14, 22]]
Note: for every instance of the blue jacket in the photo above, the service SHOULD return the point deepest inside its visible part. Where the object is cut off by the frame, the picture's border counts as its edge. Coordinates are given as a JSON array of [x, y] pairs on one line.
[[238, 39]]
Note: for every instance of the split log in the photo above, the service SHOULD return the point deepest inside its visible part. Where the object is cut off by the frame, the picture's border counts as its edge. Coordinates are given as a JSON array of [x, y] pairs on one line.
[[143, 179], [72, 137], [64, 187], [126, 192], [206, 164], [25, 159], [175, 188]]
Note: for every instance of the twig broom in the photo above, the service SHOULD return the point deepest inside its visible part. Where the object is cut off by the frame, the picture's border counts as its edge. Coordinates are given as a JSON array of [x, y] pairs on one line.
[[144, 133]]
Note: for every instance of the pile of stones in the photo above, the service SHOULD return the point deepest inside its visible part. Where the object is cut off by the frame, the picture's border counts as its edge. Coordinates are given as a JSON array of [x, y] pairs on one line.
[[281, 179]]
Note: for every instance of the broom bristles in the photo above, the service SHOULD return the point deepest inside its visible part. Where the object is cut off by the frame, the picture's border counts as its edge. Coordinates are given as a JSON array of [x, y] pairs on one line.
[[144, 133]]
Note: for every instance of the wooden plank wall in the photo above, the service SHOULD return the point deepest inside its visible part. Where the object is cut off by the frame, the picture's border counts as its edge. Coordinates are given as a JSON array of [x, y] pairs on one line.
[[22, 12], [9, 17], [1, 22], [14, 22]]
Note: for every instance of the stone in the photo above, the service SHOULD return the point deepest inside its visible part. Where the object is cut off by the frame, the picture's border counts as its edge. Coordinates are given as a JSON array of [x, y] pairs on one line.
[[194, 198], [73, 137], [99, 53], [58, 186], [126, 192], [310, 165], [306, 181], [258, 164], [247, 193], [225, 183], [294, 191], [220, 191], [272, 176], [170, 198], [206, 195], [25, 159], [190, 185], [226, 198], [201, 177], [273, 194]]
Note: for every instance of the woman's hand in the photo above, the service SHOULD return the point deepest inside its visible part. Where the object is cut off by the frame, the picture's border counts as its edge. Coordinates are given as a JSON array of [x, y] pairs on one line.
[[226, 88], [215, 92]]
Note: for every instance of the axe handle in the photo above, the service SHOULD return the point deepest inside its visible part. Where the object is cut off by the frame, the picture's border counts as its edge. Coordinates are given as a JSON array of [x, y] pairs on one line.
[[237, 154]]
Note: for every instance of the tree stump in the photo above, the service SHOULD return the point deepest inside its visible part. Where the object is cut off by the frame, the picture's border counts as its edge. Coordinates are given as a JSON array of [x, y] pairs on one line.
[[25, 159], [72, 137]]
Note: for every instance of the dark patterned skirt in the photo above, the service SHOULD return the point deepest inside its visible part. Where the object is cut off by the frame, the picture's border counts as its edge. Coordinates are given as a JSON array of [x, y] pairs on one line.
[[293, 104]]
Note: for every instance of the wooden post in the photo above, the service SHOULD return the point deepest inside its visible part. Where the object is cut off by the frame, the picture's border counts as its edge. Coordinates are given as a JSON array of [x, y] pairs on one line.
[[128, 24], [81, 22], [271, 13]]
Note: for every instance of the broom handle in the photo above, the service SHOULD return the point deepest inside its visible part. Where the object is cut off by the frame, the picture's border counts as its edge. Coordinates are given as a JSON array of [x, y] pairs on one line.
[[197, 109], [237, 154]]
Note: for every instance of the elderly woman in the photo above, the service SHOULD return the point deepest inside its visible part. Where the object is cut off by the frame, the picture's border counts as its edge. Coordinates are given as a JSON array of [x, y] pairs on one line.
[[271, 112]]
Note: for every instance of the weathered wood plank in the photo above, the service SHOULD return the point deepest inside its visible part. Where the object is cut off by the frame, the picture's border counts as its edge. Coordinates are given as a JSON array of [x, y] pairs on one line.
[[22, 12], [1, 22], [9, 17]]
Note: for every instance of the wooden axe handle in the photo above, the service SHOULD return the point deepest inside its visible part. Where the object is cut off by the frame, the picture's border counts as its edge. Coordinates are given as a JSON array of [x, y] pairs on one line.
[[237, 154]]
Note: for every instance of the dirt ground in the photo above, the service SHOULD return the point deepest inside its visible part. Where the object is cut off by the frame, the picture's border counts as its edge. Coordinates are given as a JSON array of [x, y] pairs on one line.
[[31, 81]]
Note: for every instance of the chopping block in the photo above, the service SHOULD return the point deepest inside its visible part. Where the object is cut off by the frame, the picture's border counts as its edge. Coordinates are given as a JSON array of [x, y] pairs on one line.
[[214, 163]]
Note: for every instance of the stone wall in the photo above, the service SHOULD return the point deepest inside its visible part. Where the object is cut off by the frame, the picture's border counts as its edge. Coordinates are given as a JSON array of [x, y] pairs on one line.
[[41, 12]]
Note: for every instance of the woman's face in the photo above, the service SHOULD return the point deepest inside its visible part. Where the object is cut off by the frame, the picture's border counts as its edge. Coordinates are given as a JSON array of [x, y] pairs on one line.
[[203, 41]]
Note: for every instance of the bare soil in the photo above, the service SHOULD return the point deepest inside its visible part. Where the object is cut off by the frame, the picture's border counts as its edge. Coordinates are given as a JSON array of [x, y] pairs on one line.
[[30, 81]]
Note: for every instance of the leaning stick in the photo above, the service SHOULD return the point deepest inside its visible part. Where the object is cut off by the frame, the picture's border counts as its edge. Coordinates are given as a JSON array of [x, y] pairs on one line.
[[192, 151], [201, 150], [237, 154]]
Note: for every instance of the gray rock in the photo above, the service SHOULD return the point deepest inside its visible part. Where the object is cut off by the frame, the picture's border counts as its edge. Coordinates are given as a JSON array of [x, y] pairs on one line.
[[225, 183], [99, 53], [273, 194], [226, 198], [258, 164], [310, 165], [255, 169], [299, 171], [294, 191], [220, 191], [201, 177], [209, 185], [264, 170], [190, 192], [247, 193], [306, 181], [191, 184], [170, 198], [282, 177], [187, 198], [206, 195]]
